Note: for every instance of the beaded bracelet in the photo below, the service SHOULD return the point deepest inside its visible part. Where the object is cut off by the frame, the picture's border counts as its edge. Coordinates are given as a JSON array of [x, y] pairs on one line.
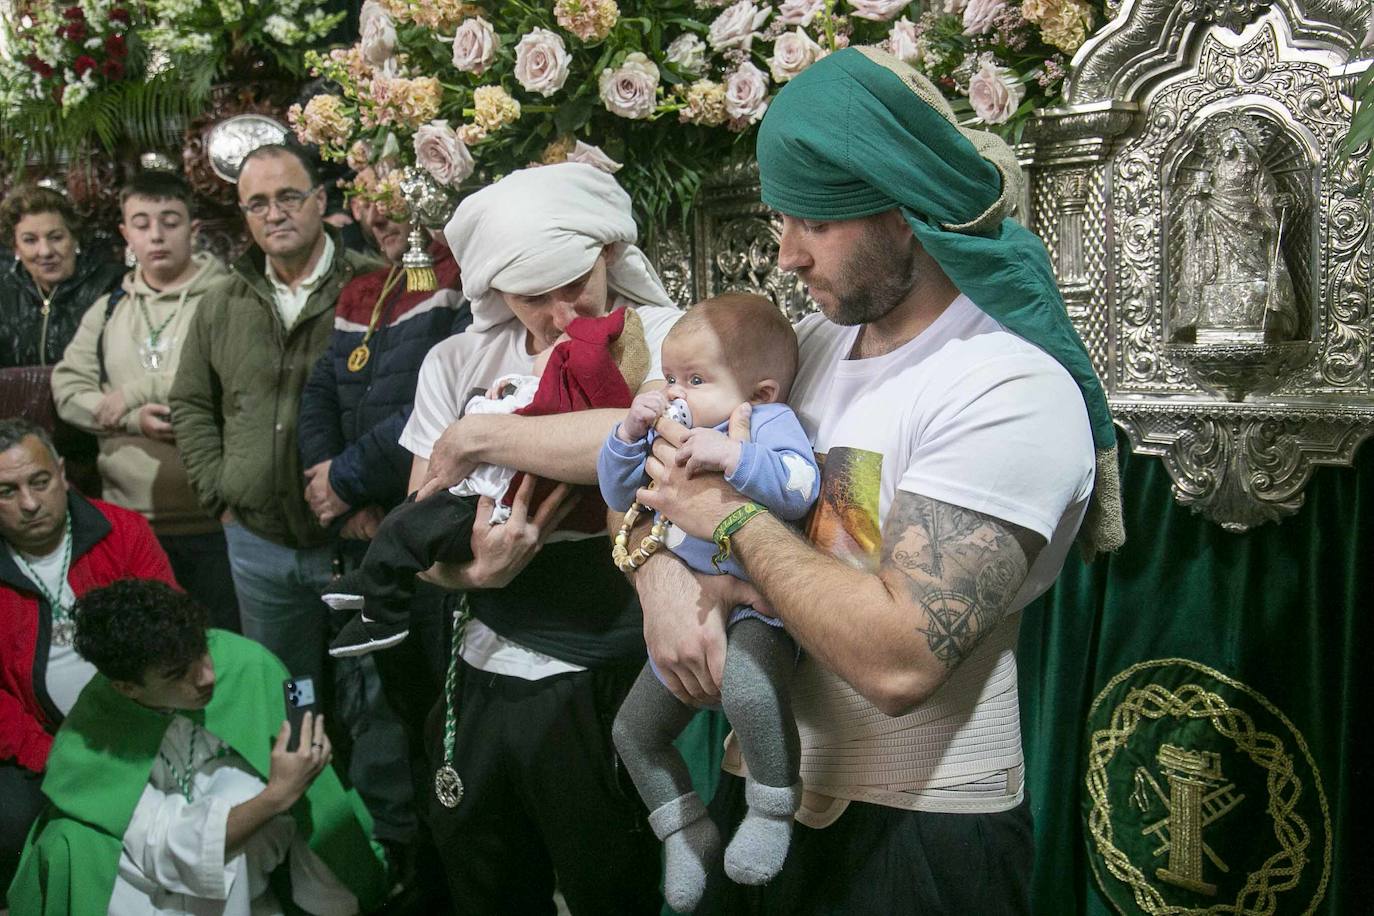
[[627, 561]]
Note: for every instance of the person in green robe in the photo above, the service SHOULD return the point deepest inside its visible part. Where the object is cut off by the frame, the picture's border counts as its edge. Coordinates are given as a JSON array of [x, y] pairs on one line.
[[172, 781]]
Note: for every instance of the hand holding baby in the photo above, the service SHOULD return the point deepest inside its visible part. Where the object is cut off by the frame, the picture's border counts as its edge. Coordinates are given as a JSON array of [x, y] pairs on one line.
[[705, 448]]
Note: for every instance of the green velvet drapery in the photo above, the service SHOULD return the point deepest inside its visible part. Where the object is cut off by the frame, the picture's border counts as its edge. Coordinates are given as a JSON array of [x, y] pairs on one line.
[[1283, 609]]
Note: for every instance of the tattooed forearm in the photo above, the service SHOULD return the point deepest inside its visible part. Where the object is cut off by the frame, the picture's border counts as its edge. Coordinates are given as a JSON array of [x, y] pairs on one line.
[[960, 568]]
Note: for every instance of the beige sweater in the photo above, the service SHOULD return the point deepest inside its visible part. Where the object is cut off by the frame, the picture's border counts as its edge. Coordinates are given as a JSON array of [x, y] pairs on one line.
[[138, 473]]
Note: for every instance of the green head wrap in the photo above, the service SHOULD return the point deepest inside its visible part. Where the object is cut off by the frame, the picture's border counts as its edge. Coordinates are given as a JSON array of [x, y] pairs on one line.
[[860, 132]]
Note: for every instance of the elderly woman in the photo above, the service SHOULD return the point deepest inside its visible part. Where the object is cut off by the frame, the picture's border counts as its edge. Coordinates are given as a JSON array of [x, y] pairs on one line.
[[50, 286], [555, 638]]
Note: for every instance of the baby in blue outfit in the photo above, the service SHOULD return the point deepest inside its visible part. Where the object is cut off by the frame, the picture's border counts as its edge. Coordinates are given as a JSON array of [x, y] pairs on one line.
[[723, 352]]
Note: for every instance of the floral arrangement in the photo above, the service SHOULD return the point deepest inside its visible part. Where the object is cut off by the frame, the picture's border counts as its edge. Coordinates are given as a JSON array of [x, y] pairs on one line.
[[100, 72], [658, 91], [184, 33], [61, 54]]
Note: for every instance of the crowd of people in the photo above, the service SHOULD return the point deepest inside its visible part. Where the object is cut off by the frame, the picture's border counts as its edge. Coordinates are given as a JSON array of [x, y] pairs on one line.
[[360, 619]]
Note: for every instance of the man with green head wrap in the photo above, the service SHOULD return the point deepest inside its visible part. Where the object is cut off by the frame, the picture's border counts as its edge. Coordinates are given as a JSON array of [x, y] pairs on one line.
[[956, 418]]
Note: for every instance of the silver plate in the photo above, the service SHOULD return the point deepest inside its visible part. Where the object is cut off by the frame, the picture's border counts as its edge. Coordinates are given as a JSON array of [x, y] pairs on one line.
[[234, 138]]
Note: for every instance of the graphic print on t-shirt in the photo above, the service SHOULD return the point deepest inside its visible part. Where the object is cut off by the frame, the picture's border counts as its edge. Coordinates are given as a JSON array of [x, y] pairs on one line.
[[845, 521]]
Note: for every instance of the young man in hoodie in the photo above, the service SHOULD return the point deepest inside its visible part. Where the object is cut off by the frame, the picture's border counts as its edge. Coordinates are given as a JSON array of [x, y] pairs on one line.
[[116, 373]]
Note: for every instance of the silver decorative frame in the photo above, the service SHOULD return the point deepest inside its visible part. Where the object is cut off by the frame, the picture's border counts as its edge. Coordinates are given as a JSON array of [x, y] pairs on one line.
[[1099, 170]]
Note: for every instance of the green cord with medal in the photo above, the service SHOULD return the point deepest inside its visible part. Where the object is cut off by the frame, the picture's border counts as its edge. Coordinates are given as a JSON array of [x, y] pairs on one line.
[[448, 788], [63, 626], [152, 353]]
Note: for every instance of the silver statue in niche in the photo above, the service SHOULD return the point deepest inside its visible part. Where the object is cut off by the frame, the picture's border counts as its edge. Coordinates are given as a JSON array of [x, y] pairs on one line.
[[1234, 283]]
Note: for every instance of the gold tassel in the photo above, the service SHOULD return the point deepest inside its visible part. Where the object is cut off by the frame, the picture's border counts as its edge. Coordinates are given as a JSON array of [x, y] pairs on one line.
[[420, 277]]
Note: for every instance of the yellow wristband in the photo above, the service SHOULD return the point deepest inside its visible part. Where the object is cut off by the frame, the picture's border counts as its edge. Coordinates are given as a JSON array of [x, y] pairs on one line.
[[728, 526]]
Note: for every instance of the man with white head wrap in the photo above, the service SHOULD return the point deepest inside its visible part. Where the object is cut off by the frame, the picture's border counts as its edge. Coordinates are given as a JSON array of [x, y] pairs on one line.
[[555, 638]]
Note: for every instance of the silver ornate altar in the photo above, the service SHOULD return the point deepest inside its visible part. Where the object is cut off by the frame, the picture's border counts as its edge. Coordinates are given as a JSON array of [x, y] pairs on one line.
[[731, 245], [1210, 244]]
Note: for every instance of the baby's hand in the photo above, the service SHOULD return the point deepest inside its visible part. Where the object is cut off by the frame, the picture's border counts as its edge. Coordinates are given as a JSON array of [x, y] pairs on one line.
[[707, 449], [644, 410], [497, 391]]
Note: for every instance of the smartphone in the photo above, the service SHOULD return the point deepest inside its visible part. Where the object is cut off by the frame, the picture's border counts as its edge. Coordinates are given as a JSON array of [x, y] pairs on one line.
[[300, 699]]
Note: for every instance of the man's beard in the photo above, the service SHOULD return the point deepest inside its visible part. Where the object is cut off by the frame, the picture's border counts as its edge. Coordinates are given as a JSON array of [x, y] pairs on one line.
[[876, 281]]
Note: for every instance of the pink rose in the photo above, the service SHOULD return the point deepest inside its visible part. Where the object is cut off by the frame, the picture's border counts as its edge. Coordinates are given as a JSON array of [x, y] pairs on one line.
[[377, 33], [746, 93], [593, 156], [630, 91], [541, 62], [793, 52], [980, 15], [439, 151], [474, 45], [902, 42], [994, 93], [877, 10], [799, 12], [736, 26]]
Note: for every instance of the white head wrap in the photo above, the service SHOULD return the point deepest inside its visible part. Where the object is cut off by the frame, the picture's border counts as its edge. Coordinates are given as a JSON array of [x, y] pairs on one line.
[[541, 228]]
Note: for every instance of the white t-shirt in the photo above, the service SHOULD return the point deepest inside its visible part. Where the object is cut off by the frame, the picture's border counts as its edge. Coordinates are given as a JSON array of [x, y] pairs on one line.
[[971, 415], [66, 673], [467, 364]]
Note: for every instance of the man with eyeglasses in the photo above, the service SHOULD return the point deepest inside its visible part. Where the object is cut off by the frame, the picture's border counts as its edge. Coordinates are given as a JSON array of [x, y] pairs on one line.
[[236, 400]]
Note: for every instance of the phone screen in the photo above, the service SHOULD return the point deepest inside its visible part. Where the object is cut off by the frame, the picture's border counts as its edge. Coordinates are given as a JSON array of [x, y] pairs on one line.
[[300, 699]]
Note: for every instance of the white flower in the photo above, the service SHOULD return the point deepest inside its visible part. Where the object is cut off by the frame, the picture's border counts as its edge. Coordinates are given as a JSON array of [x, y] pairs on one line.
[[74, 94], [746, 93], [279, 28], [440, 151], [688, 52], [736, 26], [877, 10], [595, 157], [631, 90], [955, 7], [799, 12], [474, 45], [541, 62], [377, 33], [793, 52], [994, 93], [902, 42], [980, 15]]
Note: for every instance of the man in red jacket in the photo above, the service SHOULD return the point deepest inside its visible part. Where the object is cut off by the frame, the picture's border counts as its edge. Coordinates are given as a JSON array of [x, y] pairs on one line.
[[57, 546]]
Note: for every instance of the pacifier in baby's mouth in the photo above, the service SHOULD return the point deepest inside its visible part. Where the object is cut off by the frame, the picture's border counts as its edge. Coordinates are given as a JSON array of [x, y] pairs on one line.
[[679, 411]]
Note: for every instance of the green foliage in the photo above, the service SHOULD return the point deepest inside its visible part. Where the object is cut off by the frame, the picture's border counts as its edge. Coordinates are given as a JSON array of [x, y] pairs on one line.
[[147, 114]]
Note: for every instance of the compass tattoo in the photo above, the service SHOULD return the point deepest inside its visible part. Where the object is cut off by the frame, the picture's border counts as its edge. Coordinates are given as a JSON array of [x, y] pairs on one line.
[[961, 568]]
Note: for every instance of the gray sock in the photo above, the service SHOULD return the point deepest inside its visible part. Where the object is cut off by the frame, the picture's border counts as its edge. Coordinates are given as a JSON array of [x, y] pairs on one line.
[[691, 844], [759, 847]]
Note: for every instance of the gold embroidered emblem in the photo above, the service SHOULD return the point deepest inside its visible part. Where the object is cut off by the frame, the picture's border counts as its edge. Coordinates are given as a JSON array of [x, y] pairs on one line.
[[1202, 797]]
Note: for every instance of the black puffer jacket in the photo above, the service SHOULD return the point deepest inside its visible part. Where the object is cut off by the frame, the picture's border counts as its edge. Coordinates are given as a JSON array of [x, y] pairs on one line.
[[354, 419], [26, 338]]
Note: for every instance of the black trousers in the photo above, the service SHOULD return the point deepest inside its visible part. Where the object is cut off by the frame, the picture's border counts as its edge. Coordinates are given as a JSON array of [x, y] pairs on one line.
[[412, 538], [20, 804], [885, 862], [545, 803]]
